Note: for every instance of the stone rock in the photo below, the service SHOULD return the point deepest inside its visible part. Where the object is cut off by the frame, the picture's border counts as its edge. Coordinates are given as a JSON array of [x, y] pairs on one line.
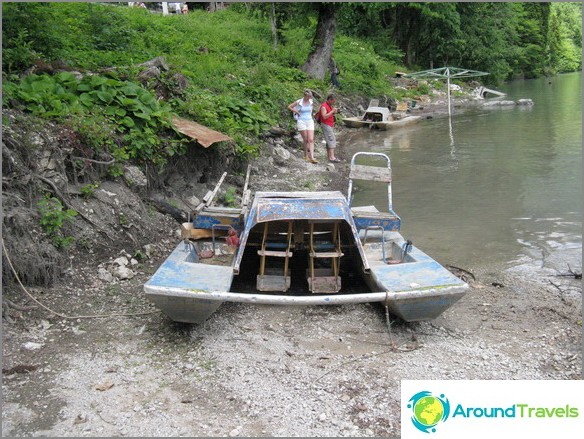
[[281, 155], [121, 261], [499, 103], [47, 162], [278, 131], [236, 431], [149, 250], [150, 72], [123, 272], [32, 346], [104, 275], [134, 176]]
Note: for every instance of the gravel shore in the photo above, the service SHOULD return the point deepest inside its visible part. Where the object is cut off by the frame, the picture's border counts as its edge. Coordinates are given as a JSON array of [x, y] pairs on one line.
[[266, 370]]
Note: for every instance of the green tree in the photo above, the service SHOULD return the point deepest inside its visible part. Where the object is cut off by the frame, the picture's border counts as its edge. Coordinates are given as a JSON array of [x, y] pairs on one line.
[[565, 37], [320, 55], [29, 32], [532, 25]]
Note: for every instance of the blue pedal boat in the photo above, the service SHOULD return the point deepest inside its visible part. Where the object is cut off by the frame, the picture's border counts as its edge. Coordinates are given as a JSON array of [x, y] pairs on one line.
[[302, 248]]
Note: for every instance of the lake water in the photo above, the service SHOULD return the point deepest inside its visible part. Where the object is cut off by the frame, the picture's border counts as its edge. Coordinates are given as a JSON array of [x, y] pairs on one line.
[[500, 188]]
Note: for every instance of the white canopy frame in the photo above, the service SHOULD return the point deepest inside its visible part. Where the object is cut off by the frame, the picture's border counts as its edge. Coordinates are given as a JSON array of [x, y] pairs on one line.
[[447, 73]]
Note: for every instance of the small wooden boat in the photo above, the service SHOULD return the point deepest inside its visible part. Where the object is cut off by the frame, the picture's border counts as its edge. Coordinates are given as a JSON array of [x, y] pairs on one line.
[[396, 123], [380, 118], [302, 248]]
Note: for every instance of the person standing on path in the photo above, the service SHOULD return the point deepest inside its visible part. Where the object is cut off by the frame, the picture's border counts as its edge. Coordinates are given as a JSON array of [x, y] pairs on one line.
[[302, 109], [335, 72], [327, 122]]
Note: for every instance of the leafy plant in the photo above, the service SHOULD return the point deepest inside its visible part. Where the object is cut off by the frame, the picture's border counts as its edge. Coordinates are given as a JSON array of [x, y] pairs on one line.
[[132, 110], [123, 220], [229, 197], [88, 190], [53, 218], [21, 54]]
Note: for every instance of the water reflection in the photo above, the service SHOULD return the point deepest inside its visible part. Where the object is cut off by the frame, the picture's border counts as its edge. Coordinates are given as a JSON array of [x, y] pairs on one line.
[[492, 187]]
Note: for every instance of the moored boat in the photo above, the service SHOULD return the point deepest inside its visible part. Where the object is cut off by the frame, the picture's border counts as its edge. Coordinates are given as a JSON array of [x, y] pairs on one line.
[[302, 248], [380, 118], [397, 123]]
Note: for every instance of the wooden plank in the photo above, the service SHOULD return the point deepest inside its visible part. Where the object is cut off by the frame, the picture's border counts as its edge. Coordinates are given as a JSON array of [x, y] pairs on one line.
[[324, 281], [222, 210], [207, 196], [275, 253], [217, 186], [246, 184], [401, 106], [245, 199], [270, 282], [188, 232], [326, 254], [367, 209], [371, 173], [210, 195], [374, 215]]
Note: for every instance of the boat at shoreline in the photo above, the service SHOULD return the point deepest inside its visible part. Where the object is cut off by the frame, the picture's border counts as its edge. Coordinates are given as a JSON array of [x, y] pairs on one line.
[[302, 248], [380, 118]]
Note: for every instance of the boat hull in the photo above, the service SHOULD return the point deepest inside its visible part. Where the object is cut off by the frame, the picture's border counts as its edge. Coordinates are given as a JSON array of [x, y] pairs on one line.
[[408, 120], [185, 309], [418, 287], [190, 291], [181, 284], [356, 122]]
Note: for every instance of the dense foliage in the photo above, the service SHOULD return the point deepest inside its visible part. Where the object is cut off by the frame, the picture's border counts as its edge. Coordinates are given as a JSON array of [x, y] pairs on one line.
[[241, 71], [507, 40]]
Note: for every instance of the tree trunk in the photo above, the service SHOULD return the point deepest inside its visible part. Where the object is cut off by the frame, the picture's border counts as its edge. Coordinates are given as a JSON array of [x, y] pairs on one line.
[[274, 25], [322, 46]]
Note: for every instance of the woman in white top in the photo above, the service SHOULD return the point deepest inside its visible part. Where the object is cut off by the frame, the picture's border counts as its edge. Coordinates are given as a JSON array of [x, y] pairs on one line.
[[302, 109]]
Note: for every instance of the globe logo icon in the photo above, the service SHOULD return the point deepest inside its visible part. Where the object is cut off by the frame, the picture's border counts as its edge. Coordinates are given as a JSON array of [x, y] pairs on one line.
[[428, 410]]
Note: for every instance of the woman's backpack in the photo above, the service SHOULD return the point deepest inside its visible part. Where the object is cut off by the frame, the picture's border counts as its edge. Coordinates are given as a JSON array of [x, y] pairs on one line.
[[318, 115]]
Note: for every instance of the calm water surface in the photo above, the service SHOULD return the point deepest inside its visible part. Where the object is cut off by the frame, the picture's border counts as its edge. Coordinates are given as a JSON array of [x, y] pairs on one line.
[[502, 187]]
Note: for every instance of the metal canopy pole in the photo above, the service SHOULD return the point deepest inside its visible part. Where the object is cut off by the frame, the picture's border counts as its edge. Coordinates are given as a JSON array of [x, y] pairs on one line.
[[448, 89]]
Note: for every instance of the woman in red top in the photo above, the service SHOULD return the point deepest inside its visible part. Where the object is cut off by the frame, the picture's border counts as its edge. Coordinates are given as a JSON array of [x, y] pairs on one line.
[[327, 122]]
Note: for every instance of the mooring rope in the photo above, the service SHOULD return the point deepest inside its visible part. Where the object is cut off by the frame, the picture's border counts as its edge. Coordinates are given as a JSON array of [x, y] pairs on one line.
[[387, 321]]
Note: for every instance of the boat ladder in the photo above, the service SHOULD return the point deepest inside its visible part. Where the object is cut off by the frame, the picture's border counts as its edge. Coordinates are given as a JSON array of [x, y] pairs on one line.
[[273, 246], [324, 243]]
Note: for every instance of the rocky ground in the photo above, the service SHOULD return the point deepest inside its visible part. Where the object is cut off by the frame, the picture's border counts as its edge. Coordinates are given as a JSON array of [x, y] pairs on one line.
[[259, 370]]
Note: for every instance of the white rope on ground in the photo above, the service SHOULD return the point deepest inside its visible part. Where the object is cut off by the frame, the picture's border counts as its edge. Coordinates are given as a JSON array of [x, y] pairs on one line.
[[387, 321], [95, 316]]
